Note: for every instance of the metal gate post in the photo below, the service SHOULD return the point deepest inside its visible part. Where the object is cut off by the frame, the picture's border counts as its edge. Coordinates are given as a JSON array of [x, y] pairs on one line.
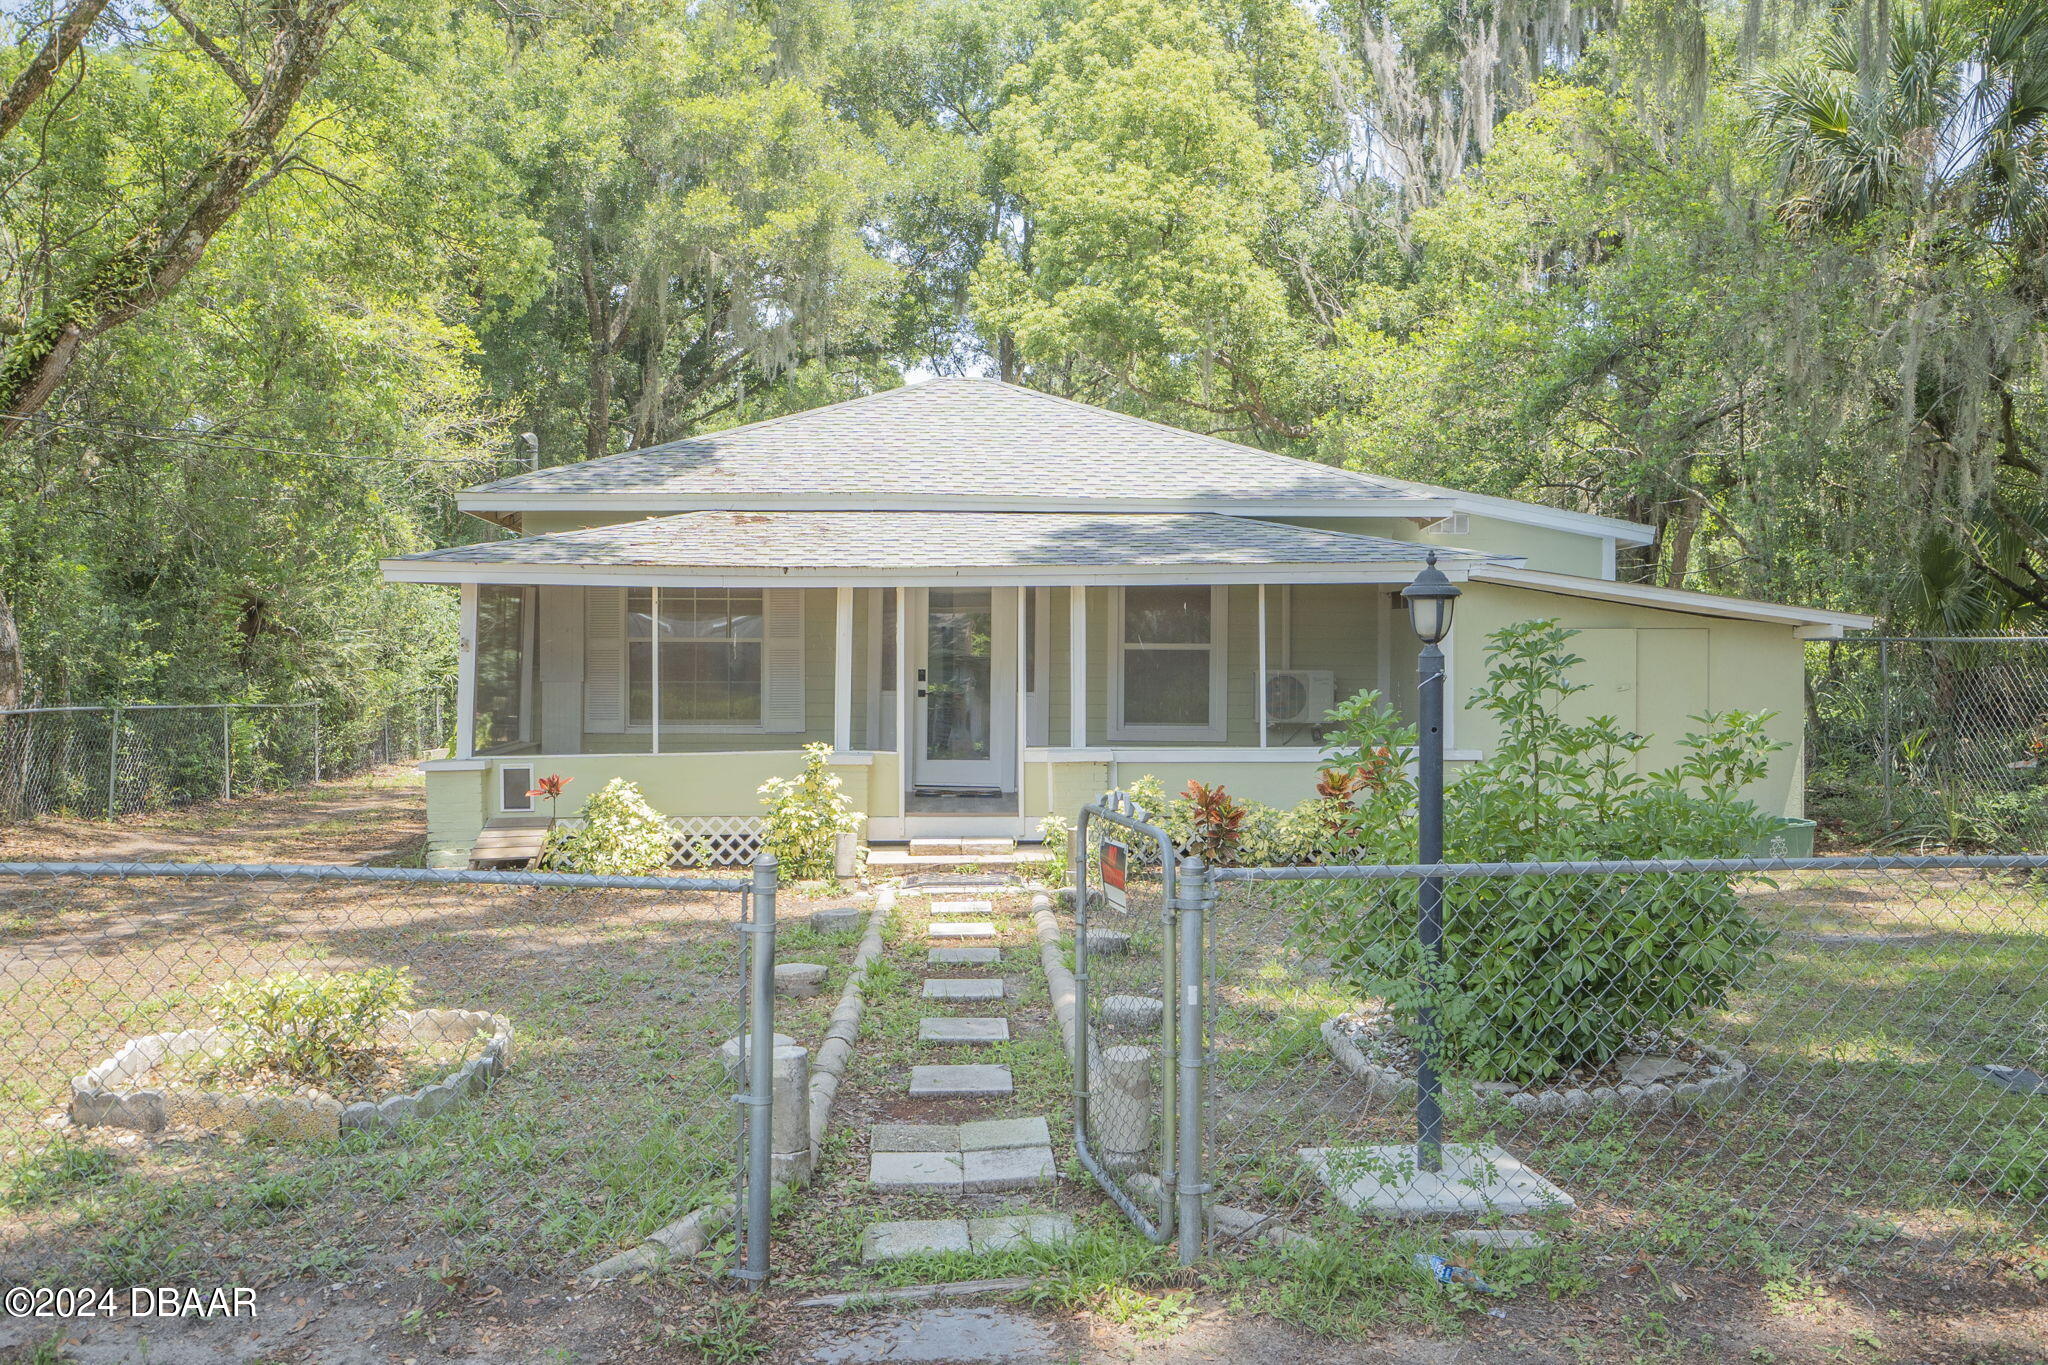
[[316, 741], [760, 1071], [1193, 891], [227, 752]]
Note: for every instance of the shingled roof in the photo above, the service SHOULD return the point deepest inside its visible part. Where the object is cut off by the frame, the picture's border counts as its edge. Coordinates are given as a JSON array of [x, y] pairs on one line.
[[953, 438], [931, 542]]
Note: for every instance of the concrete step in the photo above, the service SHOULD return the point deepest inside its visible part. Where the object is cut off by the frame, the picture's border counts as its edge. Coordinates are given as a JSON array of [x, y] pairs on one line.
[[963, 957], [953, 929], [965, 1031], [959, 1082], [984, 1172], [912, 1237], [962, 848], [962, 909], [963, 988]]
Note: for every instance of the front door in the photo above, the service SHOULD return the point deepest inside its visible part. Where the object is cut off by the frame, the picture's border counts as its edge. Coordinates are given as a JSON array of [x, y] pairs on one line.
[[965, 703]]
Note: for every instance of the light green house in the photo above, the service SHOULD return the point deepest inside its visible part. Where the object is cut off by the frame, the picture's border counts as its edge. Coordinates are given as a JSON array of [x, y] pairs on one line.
[[994, 604]]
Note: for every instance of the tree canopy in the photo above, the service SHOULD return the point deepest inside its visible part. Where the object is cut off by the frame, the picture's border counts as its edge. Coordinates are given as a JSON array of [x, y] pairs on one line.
[[1768, 276]]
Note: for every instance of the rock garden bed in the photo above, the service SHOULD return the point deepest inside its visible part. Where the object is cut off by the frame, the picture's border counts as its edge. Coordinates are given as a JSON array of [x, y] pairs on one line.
[[420, 1063], [1665, 1071]]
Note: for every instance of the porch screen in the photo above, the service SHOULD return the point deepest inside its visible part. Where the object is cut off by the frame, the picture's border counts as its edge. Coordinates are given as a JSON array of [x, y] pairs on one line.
[[507, 684], [709, 643]]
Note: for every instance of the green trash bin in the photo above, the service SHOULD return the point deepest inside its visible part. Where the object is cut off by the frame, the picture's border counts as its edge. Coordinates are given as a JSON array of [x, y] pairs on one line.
[[1789, 838]]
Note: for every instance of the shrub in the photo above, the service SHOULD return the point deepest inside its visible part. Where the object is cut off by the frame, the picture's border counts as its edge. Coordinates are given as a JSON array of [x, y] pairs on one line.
[[1542, 975], [806, 815], [1056, 842], [620, 836], [312, 1027]]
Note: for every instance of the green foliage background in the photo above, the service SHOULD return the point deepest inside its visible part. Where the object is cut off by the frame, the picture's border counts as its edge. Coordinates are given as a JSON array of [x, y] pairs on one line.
[[1770, 277]]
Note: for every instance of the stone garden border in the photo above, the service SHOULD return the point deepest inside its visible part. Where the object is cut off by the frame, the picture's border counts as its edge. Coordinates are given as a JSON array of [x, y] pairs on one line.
[[1386, 1087], [98, 1100]]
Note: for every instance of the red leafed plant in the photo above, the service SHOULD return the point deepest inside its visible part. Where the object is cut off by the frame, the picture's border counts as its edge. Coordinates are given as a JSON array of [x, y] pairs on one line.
[[1218, 820], [551, 787]]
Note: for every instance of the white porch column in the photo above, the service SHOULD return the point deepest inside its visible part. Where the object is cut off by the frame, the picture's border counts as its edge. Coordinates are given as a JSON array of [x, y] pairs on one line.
[[1077, 667], [465, 677], [654, 667], [842, 675], [1259, 683], [903, 690], [1023, 699]]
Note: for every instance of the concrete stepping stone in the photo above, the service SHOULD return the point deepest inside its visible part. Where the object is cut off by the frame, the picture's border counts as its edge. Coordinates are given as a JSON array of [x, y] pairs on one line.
[[963, 929], [923, 1236], [987, 1135], [1108, 943], [914, 1137], [915, 1172], [1132, 1013], [963, 1030], [959, 909], [1019, 1229], [1008, 1168], [964, 957], [963, 988], [838, 919], [946, 1082], [913, 1237]]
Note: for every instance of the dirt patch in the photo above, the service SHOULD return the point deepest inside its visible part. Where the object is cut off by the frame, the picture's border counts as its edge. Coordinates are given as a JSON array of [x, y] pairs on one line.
[[377, 819]]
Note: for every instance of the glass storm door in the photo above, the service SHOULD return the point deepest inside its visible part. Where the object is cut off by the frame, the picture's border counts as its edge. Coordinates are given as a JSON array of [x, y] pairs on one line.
[[966, 707]]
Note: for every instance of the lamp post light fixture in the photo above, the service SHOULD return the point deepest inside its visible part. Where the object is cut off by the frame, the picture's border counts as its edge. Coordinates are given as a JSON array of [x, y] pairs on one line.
[[1430, 600]]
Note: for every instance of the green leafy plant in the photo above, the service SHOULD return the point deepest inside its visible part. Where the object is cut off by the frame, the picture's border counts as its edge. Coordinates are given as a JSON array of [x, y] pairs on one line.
[[1542, 975], [620, 836], [1218, 821], [807, 814], [310, 1026], [1056, 842]]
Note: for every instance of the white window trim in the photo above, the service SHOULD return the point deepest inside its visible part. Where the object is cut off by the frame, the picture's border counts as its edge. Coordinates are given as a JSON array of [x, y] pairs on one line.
[[695, 727], [1219, 699], [498, 777]]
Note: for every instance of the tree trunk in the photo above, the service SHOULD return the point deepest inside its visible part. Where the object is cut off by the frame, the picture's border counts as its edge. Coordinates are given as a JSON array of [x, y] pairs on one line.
[[145, 269], [35, 78], [13, 676]]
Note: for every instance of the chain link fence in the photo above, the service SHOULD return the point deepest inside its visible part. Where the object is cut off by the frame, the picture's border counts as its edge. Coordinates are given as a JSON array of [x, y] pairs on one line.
[[104, 762], [240, 1072], [1760, 1064], [1930, 741]]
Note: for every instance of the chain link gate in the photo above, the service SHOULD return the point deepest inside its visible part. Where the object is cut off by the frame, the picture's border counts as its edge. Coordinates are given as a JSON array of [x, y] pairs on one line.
[[1138, 1051]]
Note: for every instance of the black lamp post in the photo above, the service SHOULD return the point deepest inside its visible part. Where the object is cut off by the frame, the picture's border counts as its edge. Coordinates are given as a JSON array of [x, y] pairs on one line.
[[1430, 600]]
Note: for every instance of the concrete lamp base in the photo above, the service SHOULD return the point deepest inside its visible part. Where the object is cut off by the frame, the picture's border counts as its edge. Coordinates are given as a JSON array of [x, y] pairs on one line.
[[1474, 1180]]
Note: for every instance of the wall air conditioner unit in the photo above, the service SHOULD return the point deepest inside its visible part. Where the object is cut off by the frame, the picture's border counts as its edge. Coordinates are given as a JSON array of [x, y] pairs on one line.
[[1299, 696]]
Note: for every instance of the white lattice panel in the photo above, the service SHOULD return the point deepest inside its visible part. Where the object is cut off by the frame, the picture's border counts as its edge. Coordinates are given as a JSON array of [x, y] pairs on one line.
[[717, 840]]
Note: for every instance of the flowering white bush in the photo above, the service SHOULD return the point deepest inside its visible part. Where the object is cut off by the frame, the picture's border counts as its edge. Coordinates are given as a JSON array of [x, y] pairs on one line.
[[621, 836], [806, 815]]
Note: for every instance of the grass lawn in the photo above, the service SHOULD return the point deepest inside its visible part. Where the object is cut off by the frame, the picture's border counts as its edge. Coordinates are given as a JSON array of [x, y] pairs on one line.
[[616, 1121]]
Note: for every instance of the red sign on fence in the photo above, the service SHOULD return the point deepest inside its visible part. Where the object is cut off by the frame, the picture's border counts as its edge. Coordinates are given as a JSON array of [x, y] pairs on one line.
[[1115, 858]]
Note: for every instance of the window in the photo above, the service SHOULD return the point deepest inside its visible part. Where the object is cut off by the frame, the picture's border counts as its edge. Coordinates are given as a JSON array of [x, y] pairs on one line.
[[710, 650], [1169, 677]]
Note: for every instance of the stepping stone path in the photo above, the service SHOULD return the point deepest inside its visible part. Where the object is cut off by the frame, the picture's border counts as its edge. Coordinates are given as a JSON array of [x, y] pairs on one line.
[[964, 929], [993, 1156]]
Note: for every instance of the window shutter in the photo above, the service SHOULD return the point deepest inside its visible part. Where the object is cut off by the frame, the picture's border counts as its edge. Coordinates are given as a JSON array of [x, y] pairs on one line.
[[782, 661], [604, 660]]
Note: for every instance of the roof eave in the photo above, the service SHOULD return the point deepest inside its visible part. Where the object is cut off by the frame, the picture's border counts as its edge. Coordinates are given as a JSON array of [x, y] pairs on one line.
[[455, 571], [1809, 623], [664, 504]]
